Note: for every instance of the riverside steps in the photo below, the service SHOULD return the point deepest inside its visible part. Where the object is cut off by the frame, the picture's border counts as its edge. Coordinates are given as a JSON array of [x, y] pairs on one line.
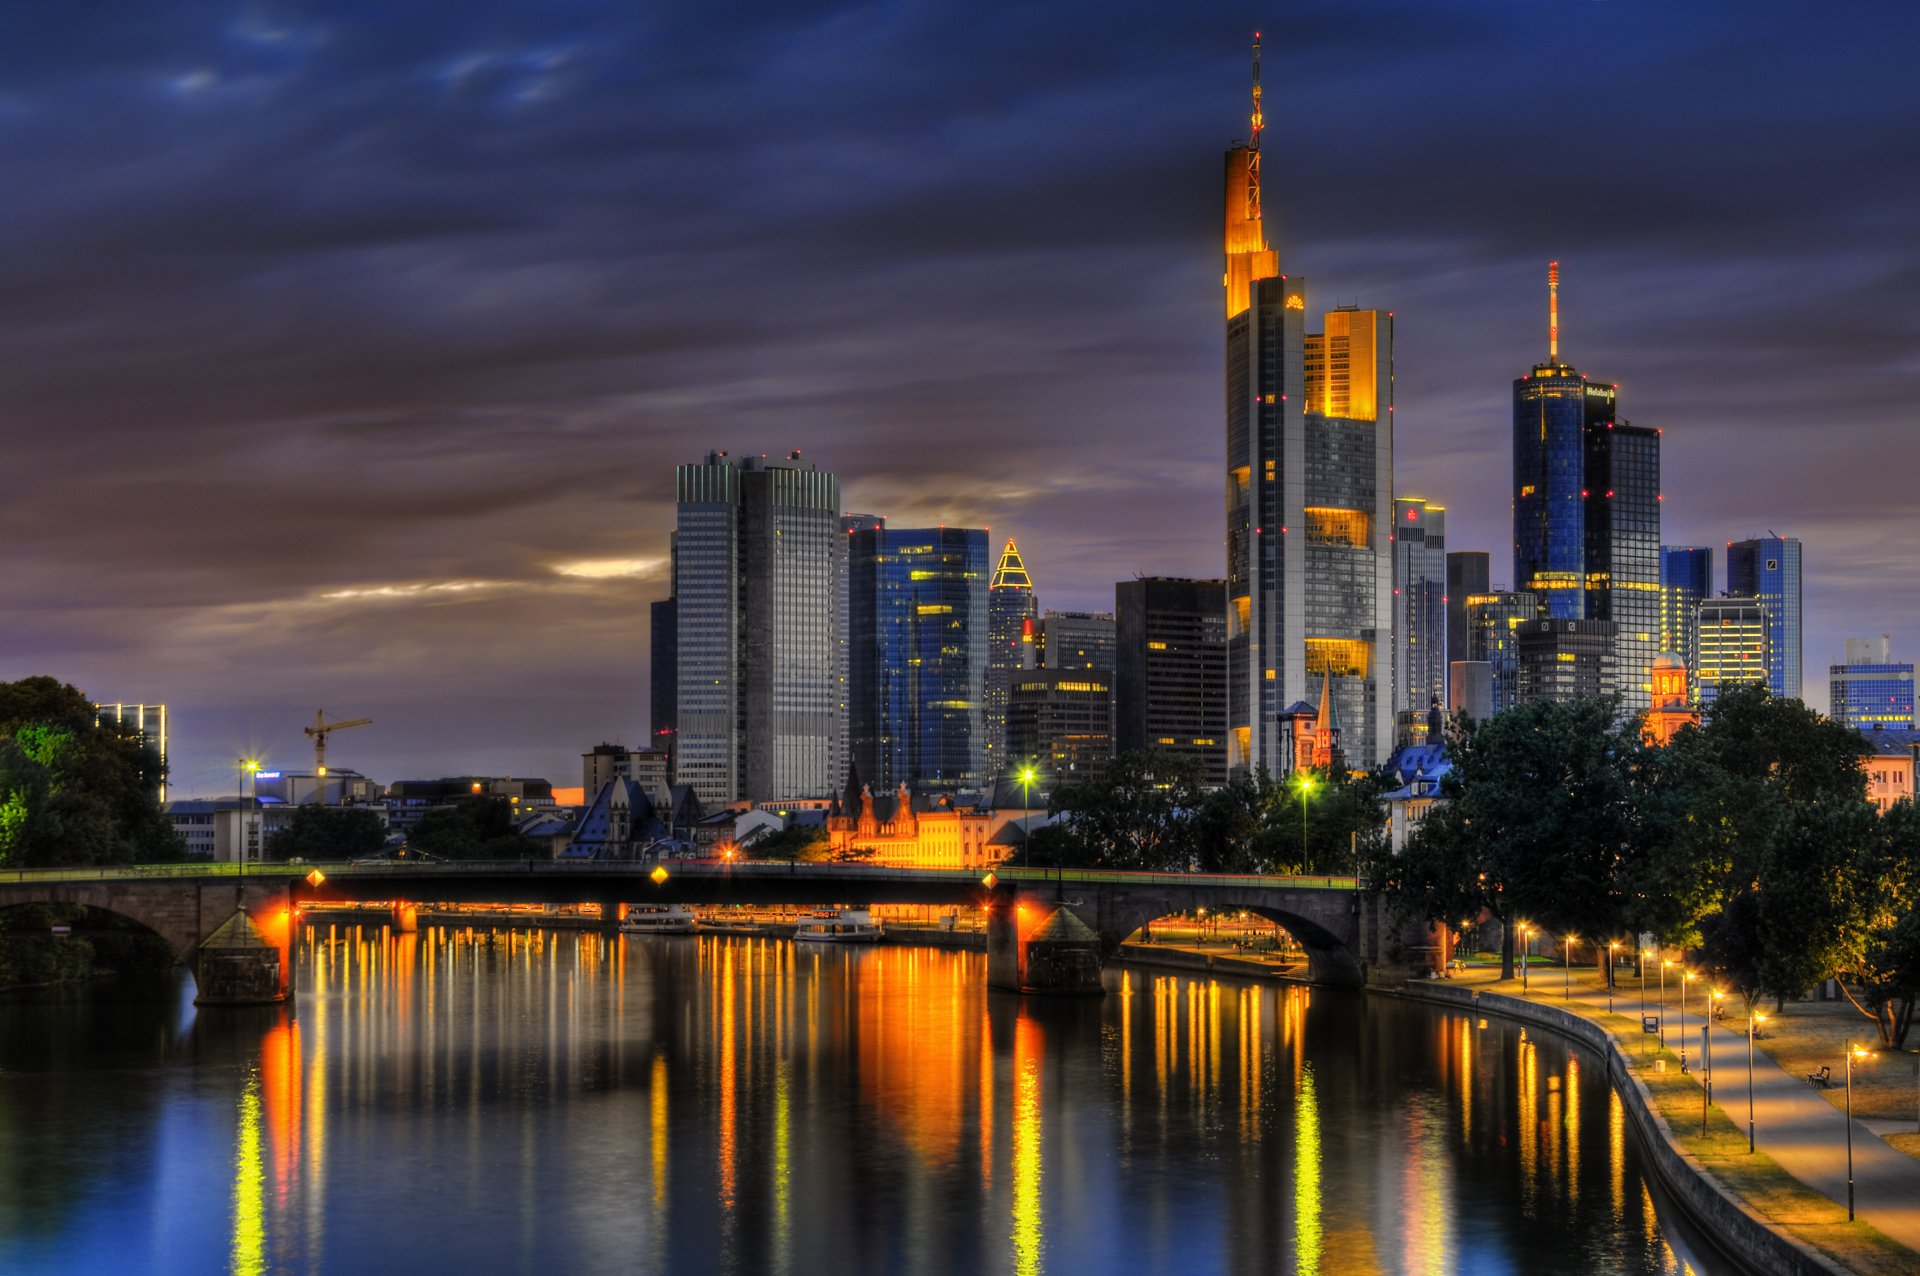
[[1780, 1209]]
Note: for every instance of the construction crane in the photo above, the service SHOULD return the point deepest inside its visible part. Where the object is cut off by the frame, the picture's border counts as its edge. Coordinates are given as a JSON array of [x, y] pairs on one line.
[[319, 731]]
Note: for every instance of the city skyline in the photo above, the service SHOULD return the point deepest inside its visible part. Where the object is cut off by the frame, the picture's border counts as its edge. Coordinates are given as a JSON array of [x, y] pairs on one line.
[[368, 371]]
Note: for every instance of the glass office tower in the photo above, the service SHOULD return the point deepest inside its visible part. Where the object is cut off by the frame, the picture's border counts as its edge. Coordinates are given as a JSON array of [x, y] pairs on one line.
[[918, 653], [1010, 604], [1420, 605], [1870, 690], [1493, 621], [1686, 581], [1768, 568], [1732, 644]]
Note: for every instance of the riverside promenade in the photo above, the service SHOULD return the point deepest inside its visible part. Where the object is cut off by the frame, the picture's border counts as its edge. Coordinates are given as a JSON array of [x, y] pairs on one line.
[[1793, 1122]]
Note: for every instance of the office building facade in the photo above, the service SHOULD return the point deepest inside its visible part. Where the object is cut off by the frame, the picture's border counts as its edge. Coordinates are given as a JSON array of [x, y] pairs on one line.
[[1170, 670], [1309, 497], [1469, 572], [1686, 581], [918, 641], [1420, 605], [1870, 691], [1076, 640], [1768, 568], [1010, 604], [1493, 620], [1061, 720], [149, 722], [1564, 660], [1731, 641], [756, 616]]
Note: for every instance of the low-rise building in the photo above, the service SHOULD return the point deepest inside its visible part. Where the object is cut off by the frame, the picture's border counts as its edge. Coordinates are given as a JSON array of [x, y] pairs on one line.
[[934, 831], [1893, 755]]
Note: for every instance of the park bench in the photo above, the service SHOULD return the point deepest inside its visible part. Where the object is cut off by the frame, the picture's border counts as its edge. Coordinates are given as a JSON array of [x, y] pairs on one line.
[[1822, 1078]]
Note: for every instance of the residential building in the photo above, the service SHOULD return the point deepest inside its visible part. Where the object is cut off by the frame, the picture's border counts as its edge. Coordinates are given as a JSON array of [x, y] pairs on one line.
[[1170, 679], [1871, 690], [1586, 509], [918, 635], [1469, 572], [1492, 622], [1731, 640], [1420, 611], [1010, 604], [1893, 753], [1061, 720], [1565, 660], [1309, 470], [1768, 568], [1686, 581], [757, 547]]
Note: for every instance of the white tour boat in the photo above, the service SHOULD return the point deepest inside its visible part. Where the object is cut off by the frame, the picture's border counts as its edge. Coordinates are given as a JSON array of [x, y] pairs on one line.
[[839, 926], [660, 919]]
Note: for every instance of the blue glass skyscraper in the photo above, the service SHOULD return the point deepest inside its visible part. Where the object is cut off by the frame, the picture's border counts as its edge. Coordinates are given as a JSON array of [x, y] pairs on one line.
[[917, 661], [1871, 691], [1768, 568], [1686, 581]]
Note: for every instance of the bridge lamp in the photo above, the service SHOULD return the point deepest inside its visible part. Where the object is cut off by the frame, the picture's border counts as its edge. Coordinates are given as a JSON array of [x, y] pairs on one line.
[[316, 877], [1027, 776], [658, 875], [990, 880]]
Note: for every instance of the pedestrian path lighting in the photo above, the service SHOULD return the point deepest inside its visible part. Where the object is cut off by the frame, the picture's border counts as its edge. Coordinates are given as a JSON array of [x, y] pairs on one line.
[[1566, 968], [1853, 1052], [1526, 951], [1686, 977], [1613, 952], [1306, 791], [1646, 955], [1664, 963], [1753, 1017]]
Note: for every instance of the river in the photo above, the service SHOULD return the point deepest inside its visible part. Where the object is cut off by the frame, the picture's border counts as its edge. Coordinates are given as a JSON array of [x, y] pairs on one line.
[[468, 1102]]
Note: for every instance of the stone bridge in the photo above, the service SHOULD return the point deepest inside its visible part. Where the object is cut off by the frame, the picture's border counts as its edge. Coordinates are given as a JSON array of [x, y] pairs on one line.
[[1344, 932]]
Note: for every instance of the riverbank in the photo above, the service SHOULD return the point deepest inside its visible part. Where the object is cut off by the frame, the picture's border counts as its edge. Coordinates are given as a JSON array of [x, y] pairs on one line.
[[1769, 1220]]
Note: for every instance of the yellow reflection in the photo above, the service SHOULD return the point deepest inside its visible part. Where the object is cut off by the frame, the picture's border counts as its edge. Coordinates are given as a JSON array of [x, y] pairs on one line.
[[1572, 1088], [1617, 1155], [249, 1181], [986, 1099], [1306, 1176], [728, 1079], [1428, 1234], [1027, 1233], [658, 1096], [782, 1172], [1527, 1117]]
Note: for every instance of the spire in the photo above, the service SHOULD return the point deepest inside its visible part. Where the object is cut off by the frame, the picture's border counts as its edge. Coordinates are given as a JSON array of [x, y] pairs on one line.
[[1248, 256], [1012, 573], [1256, 122], [1553, 312]]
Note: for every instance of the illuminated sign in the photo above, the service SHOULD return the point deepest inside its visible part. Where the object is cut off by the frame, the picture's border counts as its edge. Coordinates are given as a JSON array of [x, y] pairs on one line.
[[266, 775]]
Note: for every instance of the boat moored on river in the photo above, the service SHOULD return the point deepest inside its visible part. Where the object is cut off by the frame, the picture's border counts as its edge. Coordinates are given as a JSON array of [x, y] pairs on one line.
[[839, 926], [660, 919]]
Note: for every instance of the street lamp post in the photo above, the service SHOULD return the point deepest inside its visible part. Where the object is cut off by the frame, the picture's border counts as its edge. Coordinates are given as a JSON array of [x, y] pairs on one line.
[[1026, 816], [1526, 951], [1853, 1052], [1752, 1018], [1686, 977], [1644, 955], [1566, 968], [1664, 963], [1613, 951], [249, 774], [1306, 789]]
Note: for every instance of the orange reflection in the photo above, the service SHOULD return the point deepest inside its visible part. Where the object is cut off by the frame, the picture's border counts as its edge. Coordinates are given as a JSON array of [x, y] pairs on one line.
[[1028, 1236]]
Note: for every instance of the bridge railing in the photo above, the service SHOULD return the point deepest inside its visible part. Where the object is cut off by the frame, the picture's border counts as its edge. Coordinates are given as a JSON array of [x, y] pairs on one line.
[[692, 868]]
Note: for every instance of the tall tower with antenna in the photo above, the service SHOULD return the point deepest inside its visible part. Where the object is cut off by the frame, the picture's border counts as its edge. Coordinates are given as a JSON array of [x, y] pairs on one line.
[[1586, 509], [1309, 494], [1010, 605]]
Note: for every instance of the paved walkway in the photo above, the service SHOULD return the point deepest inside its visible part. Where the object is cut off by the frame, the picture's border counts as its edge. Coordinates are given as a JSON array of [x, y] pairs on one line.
[[1798, 1128]]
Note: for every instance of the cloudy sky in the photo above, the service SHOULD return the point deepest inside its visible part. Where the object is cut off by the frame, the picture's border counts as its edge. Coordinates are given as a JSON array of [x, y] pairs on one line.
[[346, 349]]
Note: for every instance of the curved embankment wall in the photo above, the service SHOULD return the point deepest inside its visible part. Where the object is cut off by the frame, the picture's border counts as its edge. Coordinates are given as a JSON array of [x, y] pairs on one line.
[[1745, 1237]]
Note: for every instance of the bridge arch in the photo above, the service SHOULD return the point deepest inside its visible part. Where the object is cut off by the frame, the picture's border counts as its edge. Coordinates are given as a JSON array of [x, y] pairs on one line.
[[1320, 924]]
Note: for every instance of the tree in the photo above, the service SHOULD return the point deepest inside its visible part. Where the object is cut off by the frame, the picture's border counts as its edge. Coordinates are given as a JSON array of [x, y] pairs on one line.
[[474, 828], [805, 842], [327, 833], [74, 790], [1886, 969], [1139, 815]]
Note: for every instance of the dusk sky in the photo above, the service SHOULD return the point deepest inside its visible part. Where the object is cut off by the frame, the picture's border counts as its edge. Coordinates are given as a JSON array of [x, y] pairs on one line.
[[346, 350]]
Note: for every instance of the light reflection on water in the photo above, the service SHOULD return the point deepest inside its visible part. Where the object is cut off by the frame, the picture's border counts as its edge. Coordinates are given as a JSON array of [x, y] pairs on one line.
[[566, 1101]]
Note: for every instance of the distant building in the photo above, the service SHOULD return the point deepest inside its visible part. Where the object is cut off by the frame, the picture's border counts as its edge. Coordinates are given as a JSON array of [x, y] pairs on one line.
[[931, 831], [1732, 645], [1686, 581], [1419, 770], [338, 787], [1062, 719], [1565, 660], [605, 762], [1767, 568], [408, 800], [1420, 610], [1470, 684], [149, 721], [1493, 621], [918, 642], [1010, 605], [757, 549], [1871, 690], [663, 682], [620, 823], [217, 828], [1170, 686], [1672, 706], [1468, 573], [1077, 640], [1893, 753]]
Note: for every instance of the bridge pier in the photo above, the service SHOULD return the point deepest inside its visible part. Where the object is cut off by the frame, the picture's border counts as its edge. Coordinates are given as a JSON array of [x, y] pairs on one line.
[[1038, 946], [406, 919]]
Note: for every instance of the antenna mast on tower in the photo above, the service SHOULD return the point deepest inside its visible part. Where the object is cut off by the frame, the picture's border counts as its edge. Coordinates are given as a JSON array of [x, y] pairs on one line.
[[1253, 145], [1553, 312]]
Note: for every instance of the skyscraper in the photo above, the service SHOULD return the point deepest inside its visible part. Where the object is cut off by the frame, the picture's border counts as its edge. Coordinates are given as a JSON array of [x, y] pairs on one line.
[[1309, 496], [917, 631], [1492, 623], [1768, 568], [756, 610], [1732, 645], [1077, 640], [1468, 572], [1686, 581], [1586, 512], [1564, 660], [1870, 691], [1170, 679], [1010, 601], [1420, 605]]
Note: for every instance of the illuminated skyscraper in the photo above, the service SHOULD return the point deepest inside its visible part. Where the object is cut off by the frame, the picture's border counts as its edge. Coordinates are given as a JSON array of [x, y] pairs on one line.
[[149, 722], [1010, 602], [1468, 573], [1420, 608], [1309, 497], [1493, 621], [1732, 643], [1586, 512], [1870, 692], [1768, 568], [1686, 581], [756, 611], [917, 630]]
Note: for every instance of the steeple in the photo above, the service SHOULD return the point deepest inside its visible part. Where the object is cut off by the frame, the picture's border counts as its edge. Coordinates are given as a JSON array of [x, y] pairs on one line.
[[1011, 573]]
